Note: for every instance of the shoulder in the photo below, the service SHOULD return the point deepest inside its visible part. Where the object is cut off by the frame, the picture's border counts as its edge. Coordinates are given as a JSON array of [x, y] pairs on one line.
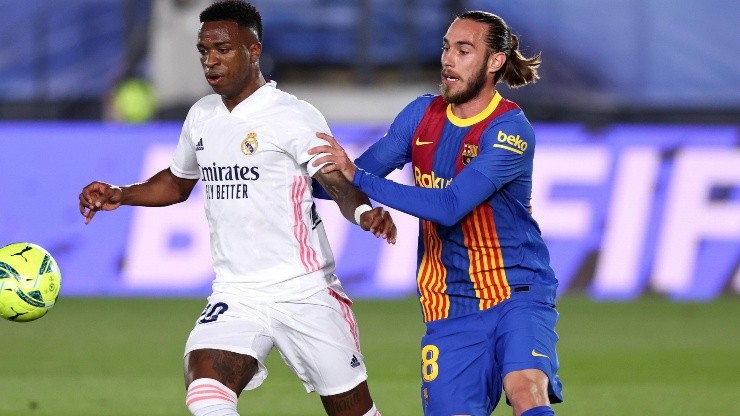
[[422, 102], [415, 110], [511, 131], [296, 107], [208, 102], [293, 117], [512, 121], [204, 108]]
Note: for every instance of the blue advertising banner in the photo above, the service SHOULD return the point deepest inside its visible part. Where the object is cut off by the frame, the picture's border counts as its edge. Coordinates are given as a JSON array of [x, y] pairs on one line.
[[625, 210]]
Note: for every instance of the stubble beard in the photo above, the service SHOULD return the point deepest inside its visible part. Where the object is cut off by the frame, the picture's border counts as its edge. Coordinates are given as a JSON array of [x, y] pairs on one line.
[[471, 90]]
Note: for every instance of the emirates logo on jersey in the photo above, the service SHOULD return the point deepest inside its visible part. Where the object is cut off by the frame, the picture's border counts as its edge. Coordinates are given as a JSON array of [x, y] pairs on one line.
[[249, 145]]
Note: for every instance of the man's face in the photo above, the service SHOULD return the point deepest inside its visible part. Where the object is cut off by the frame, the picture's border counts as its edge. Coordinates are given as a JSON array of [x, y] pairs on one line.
[[465, 56], [228, 54]]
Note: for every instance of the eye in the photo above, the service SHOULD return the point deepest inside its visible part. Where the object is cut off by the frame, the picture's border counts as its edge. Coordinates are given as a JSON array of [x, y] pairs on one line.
[[223, 50]]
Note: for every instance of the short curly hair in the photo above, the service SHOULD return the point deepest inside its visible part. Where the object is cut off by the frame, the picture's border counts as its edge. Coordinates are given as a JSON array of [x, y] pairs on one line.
[[241, 12]]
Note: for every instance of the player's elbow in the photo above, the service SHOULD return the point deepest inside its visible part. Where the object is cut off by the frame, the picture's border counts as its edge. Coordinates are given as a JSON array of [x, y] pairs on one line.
[[182, 189], [449, 218], [182, 197], [455, 211], [179, 194]]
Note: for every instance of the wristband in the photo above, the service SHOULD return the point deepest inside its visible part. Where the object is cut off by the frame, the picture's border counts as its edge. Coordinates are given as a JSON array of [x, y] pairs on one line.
[[361, 210]]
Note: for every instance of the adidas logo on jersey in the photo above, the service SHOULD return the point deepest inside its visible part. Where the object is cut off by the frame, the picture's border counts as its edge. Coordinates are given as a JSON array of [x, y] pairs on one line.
[[355, 362], [199, 145]]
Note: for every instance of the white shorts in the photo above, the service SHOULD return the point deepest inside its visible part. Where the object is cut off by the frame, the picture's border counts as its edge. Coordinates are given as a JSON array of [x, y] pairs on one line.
[[317, 337]]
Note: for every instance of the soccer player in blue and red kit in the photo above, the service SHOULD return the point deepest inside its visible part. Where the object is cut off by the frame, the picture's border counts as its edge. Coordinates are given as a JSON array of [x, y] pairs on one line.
[[486, 288]]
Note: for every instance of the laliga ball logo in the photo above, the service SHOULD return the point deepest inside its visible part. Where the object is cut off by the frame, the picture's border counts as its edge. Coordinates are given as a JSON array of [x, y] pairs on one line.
[[30, 281]]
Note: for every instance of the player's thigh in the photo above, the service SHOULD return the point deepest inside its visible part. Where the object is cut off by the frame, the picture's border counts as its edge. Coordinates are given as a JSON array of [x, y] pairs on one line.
[[526, 340], [457, 368], [229, 342], [232, 369], [319, 340]]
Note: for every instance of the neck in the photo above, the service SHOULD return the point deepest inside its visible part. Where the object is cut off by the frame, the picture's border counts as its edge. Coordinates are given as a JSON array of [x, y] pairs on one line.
[[475, 105], [249, 89]]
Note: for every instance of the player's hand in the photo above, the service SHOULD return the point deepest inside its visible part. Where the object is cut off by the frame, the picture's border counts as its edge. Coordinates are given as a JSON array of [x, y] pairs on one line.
[[99, 196], [335, 155], [379, 222]]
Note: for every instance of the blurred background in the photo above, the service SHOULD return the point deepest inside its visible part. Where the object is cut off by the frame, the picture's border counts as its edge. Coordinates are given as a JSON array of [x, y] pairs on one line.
[[637, 185], [636, 190]]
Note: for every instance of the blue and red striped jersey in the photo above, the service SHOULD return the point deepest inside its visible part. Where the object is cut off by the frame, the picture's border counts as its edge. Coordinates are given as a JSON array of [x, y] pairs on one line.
[[477, 237]]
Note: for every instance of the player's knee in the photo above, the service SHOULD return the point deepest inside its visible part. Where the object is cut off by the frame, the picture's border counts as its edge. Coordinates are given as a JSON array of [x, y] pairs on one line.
[[526, 389], [373, 411], [207, 396]]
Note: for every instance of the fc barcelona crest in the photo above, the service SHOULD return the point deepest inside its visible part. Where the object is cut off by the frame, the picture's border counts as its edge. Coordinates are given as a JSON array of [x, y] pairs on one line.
[[249, 145], [469, 152]]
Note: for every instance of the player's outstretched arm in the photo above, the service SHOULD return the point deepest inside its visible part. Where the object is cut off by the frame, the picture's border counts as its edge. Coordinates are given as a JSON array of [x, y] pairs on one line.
[[349, 199], [162, 189]]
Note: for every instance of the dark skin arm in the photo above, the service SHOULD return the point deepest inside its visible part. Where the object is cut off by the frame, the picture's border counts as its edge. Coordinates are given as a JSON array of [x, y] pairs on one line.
[[160, 190], [164, 188], [347, 197]]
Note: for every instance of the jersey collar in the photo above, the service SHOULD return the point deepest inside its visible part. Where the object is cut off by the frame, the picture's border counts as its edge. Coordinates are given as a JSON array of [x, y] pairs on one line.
[[256, 100], [466, 122]]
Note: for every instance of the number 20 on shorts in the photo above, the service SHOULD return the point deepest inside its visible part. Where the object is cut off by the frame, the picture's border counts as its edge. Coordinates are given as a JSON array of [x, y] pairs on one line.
[[212, 312], [429, 366]]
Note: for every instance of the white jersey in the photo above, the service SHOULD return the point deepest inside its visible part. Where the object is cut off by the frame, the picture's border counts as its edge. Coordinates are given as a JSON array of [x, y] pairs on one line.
[[267, 240]]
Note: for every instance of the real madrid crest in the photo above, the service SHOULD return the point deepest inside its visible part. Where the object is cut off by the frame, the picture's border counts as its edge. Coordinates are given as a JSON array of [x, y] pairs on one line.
[[249, 145], [469, 152]]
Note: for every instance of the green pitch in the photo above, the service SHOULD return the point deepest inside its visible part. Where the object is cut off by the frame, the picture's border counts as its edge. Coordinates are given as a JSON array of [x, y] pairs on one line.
[[124, 358]]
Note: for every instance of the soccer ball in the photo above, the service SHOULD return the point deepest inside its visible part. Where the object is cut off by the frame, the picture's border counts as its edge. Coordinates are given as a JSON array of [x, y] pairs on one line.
[[29, 282]]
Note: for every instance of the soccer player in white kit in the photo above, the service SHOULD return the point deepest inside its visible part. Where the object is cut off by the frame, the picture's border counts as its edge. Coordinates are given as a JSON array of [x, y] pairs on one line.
[[275, 285]]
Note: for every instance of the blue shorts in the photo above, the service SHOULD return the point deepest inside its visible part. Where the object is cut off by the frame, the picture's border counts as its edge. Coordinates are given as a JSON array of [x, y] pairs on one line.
[[465, 358]]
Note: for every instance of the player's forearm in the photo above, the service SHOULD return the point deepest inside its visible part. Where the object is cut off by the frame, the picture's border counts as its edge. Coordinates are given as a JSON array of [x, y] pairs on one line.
[[144, 195], [444, 206], [348, 205], [347, 197], [160, 190]]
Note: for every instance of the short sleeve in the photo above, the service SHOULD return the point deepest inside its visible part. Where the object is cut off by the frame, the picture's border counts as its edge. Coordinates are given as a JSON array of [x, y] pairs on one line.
[[184, 163], [301, 136]]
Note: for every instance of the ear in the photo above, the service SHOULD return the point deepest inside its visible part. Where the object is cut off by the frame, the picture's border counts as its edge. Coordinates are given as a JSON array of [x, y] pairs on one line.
[[496, 61], [255, 50]]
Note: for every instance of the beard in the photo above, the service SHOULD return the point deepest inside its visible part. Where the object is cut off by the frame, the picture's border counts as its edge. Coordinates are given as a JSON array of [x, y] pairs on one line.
[[472, 88]]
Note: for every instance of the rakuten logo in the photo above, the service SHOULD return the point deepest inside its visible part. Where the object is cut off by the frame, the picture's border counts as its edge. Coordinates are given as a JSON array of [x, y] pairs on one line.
[[430, 180]]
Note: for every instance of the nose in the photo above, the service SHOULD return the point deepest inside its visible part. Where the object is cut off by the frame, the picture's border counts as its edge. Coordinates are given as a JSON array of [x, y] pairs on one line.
[[209, 59], [445, 59]]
